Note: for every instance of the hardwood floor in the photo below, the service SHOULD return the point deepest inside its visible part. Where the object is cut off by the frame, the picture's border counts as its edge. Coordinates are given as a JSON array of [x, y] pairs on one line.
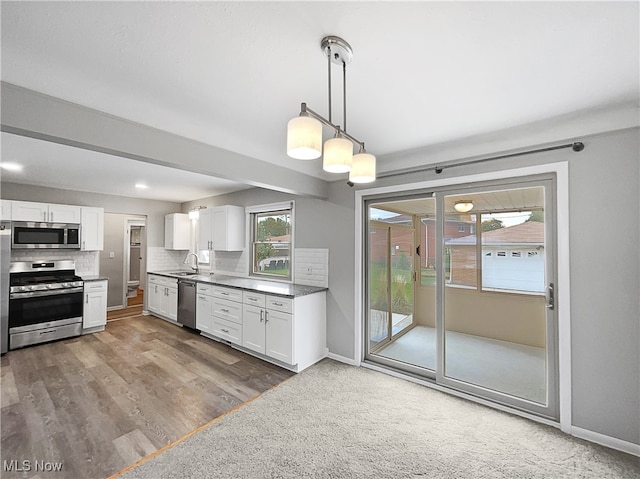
[[127, 312], [100, 402]]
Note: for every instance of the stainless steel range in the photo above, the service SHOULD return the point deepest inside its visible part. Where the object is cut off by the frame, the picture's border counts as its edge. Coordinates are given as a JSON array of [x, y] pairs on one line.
[[45, 302]]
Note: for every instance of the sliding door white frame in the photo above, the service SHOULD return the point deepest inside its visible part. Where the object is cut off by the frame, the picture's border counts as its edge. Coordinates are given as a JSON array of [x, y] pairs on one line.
[[563, 300]]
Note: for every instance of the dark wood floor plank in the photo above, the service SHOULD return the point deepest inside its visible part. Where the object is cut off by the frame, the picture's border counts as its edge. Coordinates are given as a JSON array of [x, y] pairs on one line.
[[102, 401]]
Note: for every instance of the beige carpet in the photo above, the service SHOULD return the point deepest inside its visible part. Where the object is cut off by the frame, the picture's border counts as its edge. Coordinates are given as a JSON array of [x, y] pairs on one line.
[[338, 421]]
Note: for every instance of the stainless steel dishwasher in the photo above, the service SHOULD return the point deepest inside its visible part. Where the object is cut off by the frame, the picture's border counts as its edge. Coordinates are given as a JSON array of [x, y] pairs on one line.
[[187, 303]]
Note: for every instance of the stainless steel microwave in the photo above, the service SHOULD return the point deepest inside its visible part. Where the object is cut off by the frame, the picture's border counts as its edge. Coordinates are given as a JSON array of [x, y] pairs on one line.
[[31, 235]]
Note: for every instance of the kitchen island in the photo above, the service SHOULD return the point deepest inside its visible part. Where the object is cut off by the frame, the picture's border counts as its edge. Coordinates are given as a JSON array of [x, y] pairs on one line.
[[282, 323]]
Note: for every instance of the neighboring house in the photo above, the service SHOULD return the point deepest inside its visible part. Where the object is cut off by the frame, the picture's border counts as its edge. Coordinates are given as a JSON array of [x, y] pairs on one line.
[[279, 258], [512, 258], [453, 228], [402, 239]]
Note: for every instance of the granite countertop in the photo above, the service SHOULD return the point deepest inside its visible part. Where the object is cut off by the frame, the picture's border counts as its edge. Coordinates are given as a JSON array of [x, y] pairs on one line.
[[94, 277], [276, 288]]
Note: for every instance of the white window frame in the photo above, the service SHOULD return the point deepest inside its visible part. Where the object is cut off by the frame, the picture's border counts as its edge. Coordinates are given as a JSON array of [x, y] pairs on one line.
[[269, 208]]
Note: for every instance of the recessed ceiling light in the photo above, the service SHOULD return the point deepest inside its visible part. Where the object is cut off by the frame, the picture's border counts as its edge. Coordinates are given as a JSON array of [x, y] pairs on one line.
[[11, 166], [142, 186]]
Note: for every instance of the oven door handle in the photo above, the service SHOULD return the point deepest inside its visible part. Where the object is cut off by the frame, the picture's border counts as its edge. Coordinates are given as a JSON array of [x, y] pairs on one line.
[[49, 292]]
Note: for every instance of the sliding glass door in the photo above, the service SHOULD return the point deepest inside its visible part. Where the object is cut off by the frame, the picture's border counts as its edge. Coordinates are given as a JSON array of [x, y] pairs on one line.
[[482, 320]]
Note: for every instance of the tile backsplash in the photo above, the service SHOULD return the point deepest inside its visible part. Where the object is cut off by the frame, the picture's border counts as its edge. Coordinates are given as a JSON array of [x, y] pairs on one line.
[[235, 263], [87, 262], [160, 259], [312, 267]]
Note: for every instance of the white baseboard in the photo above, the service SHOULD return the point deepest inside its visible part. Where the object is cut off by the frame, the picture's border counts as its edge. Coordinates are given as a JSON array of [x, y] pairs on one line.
[[343, 359], [612, 442]]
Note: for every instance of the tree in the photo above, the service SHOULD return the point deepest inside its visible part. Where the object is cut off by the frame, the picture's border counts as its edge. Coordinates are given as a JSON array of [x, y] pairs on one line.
[[492, 224], [272, 226], [536, 216]]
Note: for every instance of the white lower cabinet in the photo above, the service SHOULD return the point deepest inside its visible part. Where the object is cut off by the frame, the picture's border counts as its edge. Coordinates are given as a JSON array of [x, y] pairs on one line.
[[226, 313], [94, 313], [267, 330], [204, 308], [163, 296], [288, 331]]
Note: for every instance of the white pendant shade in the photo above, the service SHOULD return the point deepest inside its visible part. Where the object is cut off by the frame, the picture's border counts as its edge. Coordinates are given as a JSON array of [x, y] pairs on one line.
[[338, 155], [304, 138], [363, 168]]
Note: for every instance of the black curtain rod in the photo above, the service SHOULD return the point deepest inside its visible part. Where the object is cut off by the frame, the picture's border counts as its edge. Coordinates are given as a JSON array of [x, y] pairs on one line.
[[576, 146]]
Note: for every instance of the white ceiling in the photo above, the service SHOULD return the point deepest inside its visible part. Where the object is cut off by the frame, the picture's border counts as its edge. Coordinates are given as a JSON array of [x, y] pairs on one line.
[[60, 166], [231, 74]]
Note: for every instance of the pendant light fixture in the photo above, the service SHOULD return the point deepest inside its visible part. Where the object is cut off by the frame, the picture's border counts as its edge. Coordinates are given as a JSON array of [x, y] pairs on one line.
[[304, 133]]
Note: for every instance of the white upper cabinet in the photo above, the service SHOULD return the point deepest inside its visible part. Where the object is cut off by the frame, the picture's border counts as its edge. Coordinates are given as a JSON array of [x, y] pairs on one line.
[[92, 229], [177, 231], [205, 229], [221, 228], [65, 214], [5, 210], [50, 213], [228, 228]]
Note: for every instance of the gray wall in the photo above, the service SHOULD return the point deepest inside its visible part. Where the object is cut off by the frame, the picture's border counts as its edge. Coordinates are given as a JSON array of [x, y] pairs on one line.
[[113, 268], [605, 263]]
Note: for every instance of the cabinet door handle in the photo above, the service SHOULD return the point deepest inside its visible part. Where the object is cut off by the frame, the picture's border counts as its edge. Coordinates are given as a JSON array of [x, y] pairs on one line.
[[224, 310], [253, 299], [224, 330], [156, 288], [278, 304], [224, 294], [266, 314], [44, 215], [261, 315], [202, 298], [51, 216], [86, 299]]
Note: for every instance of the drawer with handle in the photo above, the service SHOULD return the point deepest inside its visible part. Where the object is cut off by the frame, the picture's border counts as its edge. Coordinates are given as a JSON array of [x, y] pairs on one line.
[[229, 310], [95, 286], [227, 330], [204, 289], [228, 293], [276, 303], [255, 299]]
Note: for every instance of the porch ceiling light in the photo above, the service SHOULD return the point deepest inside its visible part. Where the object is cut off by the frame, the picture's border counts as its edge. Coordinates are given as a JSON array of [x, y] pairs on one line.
[[463, 206], [304, 133]]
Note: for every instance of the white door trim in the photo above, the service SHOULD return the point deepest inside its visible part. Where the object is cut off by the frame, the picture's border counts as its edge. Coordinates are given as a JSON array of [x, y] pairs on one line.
[[563, 300]]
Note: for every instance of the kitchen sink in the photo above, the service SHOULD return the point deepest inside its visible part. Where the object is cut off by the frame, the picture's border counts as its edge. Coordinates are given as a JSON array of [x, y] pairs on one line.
[[184, 273]]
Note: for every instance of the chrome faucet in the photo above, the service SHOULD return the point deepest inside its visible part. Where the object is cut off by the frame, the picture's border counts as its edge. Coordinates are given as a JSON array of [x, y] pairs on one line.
[[195, 268]]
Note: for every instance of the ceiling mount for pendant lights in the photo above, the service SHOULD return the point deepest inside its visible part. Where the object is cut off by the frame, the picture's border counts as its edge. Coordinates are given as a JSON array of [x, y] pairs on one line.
[[304, 133]]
